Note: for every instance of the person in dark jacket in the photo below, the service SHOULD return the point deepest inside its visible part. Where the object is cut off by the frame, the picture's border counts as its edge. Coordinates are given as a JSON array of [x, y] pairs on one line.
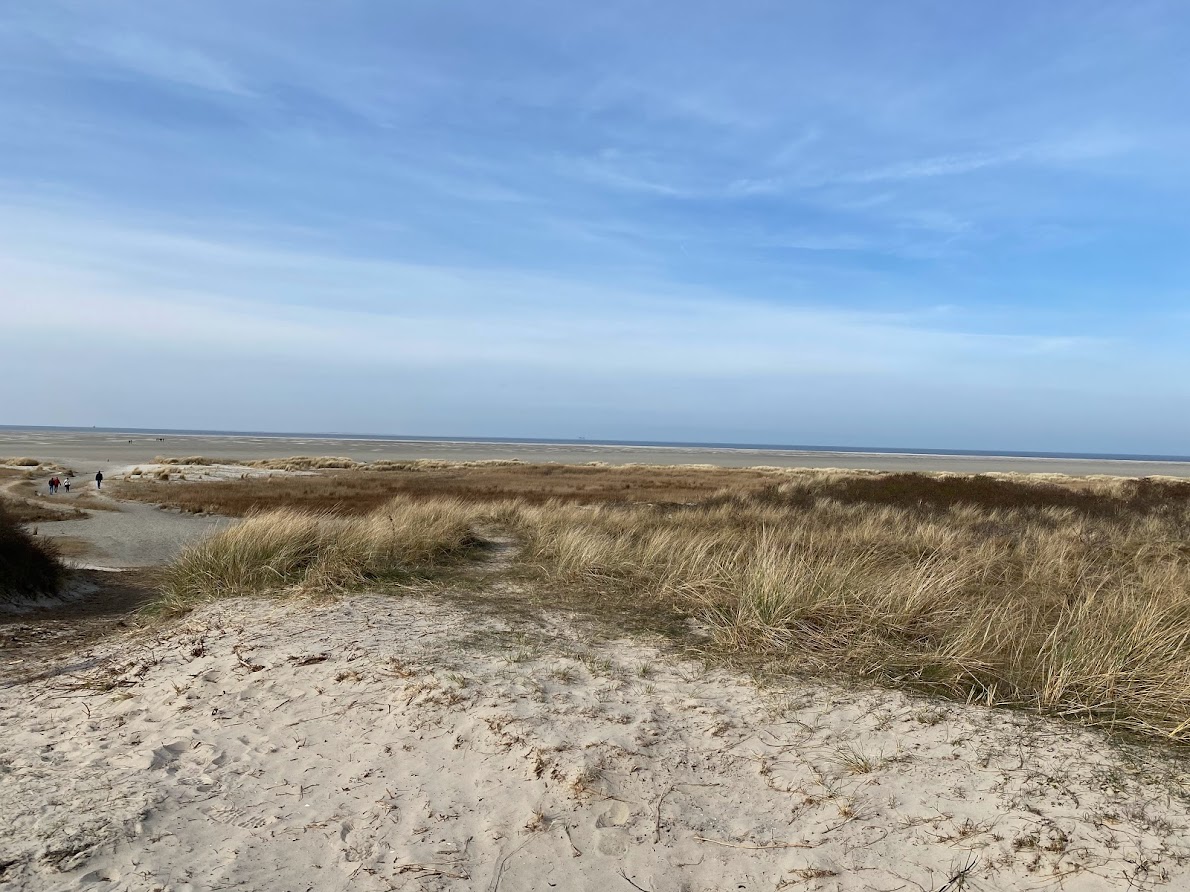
[[99, 479]]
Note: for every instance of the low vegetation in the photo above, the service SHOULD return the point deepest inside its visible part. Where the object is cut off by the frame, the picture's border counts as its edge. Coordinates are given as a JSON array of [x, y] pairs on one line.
[[28, 511], [1068, 597], [28, 565], [358, 492]]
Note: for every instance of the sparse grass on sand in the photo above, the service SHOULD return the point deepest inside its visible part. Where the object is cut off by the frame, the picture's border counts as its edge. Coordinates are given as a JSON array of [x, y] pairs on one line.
[[1070, 598], [28, 511], [28, 565]]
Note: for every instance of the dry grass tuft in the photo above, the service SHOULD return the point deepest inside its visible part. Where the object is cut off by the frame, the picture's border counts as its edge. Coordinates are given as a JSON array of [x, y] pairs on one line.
[[288, 550]]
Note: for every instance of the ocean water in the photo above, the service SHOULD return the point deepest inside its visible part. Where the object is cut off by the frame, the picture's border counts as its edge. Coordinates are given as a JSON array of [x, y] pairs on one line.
[[783, 447]]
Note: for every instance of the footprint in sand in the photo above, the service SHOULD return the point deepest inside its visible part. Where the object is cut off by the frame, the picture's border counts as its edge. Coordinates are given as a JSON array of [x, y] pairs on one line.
[[617, 815], [611, 839], [99, 876], [165, 756]]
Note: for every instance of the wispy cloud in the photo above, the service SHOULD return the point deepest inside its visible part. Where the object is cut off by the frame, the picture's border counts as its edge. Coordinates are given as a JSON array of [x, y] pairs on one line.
[[938, 166], [119, 283], [142, 55], [1072, 148]]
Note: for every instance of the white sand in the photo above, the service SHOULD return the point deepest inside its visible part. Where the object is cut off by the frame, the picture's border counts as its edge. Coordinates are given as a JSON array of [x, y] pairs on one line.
[[440, 745]]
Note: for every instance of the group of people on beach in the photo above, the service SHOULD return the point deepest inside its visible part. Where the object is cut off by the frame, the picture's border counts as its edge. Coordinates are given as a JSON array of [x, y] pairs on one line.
[[56, 483]]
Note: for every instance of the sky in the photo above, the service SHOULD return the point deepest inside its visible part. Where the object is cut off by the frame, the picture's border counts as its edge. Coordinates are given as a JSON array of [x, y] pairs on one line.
[[921, 224]]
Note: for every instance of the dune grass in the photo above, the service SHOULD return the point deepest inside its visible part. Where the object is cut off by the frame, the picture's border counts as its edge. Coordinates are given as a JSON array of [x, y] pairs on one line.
[[294, 551], [1080, 609], [1070, 598], [29, 565]]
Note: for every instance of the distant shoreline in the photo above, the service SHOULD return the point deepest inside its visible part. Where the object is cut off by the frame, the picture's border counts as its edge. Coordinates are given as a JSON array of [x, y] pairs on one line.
[[660, 445]]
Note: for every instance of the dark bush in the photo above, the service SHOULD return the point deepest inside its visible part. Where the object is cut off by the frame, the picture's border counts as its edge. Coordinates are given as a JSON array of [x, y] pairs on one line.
[[28, 565]]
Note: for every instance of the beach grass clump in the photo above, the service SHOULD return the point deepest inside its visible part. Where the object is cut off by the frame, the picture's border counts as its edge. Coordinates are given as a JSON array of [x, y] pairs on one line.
[[293, 551], [29, 565]]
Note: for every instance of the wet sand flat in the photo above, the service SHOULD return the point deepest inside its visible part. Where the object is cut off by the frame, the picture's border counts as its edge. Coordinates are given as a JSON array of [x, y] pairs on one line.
[[86, 452]]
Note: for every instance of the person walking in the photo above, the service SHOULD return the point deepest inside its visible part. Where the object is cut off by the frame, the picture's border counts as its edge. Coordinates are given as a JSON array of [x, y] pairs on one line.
[[99, 479], [53, 481], [66, 484]]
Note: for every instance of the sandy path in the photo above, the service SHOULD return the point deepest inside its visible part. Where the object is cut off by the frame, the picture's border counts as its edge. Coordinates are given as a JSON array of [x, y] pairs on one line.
[[422, 743], [124, 534], [118, 533]]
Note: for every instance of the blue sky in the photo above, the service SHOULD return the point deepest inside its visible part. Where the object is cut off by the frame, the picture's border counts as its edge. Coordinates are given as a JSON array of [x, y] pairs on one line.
[[913, 224]]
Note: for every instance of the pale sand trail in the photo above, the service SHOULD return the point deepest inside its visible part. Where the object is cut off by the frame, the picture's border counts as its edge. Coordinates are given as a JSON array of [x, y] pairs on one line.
[[432, 743], [120, 534]]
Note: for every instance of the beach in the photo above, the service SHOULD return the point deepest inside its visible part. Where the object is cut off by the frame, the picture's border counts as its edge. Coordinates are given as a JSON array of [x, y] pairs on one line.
[[87, 452]]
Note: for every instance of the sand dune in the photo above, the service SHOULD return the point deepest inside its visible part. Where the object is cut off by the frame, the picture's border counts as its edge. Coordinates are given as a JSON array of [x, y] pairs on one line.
[[428, 743]]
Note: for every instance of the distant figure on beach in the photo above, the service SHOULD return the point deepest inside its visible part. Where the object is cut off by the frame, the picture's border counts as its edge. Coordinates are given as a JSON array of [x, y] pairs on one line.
[[66, 484], [99, 479], [53, 485]]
